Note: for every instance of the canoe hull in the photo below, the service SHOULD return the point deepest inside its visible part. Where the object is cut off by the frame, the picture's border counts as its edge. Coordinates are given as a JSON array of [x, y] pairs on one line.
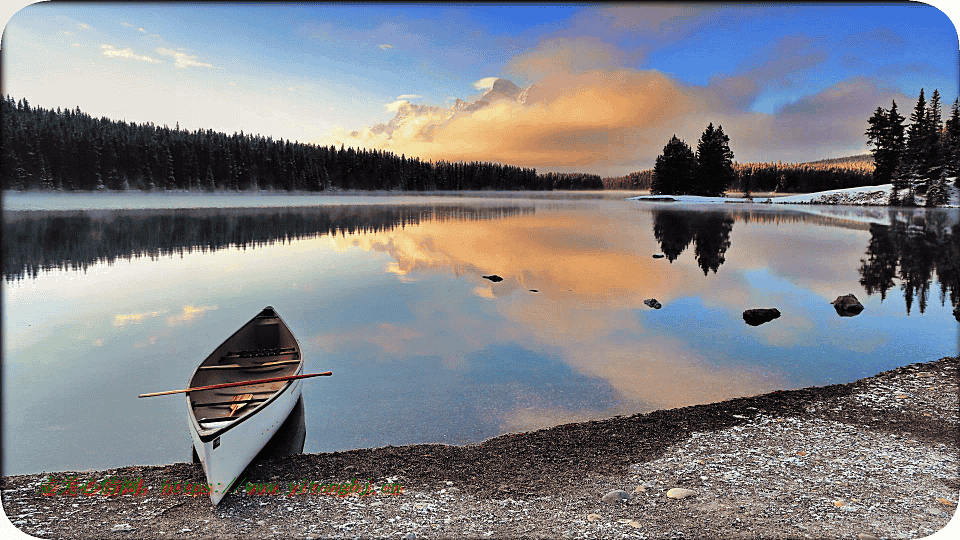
[[229, 426], [237, 447]]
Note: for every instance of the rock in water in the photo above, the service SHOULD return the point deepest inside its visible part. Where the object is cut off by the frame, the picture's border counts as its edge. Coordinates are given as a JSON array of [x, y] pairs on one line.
[[956, 312], [494, 278], [615, 496], [680, 493], [847, 306], [652, 302], [756, 317], [658, 255]]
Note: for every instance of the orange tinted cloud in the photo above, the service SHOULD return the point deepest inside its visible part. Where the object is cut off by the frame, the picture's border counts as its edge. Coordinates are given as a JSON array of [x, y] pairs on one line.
[[588, 112]]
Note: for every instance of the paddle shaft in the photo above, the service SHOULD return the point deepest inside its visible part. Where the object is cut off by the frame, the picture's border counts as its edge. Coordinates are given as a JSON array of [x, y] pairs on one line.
[[241, 383]]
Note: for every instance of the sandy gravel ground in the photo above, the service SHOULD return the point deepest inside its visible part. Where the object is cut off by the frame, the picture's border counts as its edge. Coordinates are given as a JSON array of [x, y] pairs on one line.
[[877, 458]]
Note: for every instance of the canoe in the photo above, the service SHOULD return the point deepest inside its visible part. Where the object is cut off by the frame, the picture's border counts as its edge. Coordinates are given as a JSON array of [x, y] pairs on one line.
[[230, 426]]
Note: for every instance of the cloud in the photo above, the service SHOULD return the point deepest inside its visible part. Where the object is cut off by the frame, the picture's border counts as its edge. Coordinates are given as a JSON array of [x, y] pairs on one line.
[[565, 56], [395, 105], [84, 26], [128, 25], [788, 57], [408, 96], [183, 60], [67, 33], [112, 52], [385, 46], [74, 44], [587, 111], [485, 84], [141, 30]]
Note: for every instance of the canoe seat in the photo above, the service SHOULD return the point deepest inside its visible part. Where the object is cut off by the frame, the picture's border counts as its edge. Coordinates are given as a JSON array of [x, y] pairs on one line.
[[222, 403], [255, 353], [248, 366]]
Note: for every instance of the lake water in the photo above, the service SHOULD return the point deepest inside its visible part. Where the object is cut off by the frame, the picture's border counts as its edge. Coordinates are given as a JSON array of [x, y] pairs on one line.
[[105, 303]]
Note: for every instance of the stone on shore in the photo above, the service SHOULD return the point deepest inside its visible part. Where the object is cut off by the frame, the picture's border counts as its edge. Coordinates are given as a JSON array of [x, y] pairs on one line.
[[847, 306], [756, 317], [652, 302], [615, 496], [680, 493]]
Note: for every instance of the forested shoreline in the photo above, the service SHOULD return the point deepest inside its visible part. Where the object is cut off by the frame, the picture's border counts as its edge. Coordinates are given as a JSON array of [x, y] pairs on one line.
[[69, 150]]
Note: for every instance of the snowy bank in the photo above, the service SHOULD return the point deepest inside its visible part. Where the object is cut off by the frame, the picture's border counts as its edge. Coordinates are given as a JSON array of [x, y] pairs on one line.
[[860, 196]]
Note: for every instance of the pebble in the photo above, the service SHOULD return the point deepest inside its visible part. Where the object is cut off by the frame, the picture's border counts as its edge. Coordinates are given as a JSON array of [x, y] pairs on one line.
[[680, 493], [864, 536], [411, 536], [615, 496], [122, 527], [594, 517]]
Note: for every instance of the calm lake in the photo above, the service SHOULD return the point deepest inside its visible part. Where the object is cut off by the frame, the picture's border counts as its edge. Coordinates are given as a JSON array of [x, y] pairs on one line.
[[109, 296]]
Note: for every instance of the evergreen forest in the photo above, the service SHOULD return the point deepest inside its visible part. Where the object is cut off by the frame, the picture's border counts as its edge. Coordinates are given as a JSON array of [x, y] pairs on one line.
[[70, 150], [917, 158]]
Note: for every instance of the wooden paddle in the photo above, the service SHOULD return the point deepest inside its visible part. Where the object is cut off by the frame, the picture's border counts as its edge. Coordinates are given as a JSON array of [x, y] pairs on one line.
[[241, 383]]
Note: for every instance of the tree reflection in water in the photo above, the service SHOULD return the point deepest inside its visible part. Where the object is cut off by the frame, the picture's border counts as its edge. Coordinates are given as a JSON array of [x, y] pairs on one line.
[[913, 248], [34, 241], [708, 231]]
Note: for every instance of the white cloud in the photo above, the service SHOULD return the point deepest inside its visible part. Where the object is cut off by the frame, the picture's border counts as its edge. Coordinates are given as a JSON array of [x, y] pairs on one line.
[[74, 44], [141, 30], [112, 52], [409, 96], [395, 106], [384, 46], [183, 60], [66, 33], [485, 83], [128, 25], [84, 26]]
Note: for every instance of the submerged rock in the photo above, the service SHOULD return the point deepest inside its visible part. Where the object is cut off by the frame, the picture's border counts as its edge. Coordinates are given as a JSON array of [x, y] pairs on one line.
[[652, 302], [756, 317], [847, 306], [494, 278]]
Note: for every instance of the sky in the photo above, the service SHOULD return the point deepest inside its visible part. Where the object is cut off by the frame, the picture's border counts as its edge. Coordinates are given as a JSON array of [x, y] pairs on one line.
[[604, 86]]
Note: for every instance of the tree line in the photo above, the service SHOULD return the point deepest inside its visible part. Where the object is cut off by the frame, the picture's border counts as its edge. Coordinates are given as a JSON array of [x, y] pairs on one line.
[[917, 158], [70, 150]]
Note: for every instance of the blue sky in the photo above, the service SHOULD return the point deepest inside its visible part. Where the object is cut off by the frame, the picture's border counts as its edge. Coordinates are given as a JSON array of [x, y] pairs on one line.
[[608, 84]]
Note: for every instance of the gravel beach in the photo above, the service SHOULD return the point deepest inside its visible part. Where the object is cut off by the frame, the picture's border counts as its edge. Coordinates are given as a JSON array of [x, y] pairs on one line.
[[876, 458]]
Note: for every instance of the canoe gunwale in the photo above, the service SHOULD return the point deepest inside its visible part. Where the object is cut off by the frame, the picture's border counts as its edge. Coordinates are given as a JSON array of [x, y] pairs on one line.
[[206, 434]]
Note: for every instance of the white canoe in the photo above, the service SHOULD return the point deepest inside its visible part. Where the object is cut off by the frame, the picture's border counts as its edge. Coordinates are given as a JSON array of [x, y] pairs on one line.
[[229, 426]]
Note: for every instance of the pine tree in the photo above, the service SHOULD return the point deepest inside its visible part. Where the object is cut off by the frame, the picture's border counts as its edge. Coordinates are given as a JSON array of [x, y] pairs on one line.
[[951, 142], [674, 169], [714, 170]]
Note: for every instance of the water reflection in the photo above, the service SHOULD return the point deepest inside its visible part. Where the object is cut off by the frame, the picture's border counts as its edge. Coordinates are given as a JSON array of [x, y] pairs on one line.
[[391, 298], [34, 241], [708, 231], [914, 248]]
